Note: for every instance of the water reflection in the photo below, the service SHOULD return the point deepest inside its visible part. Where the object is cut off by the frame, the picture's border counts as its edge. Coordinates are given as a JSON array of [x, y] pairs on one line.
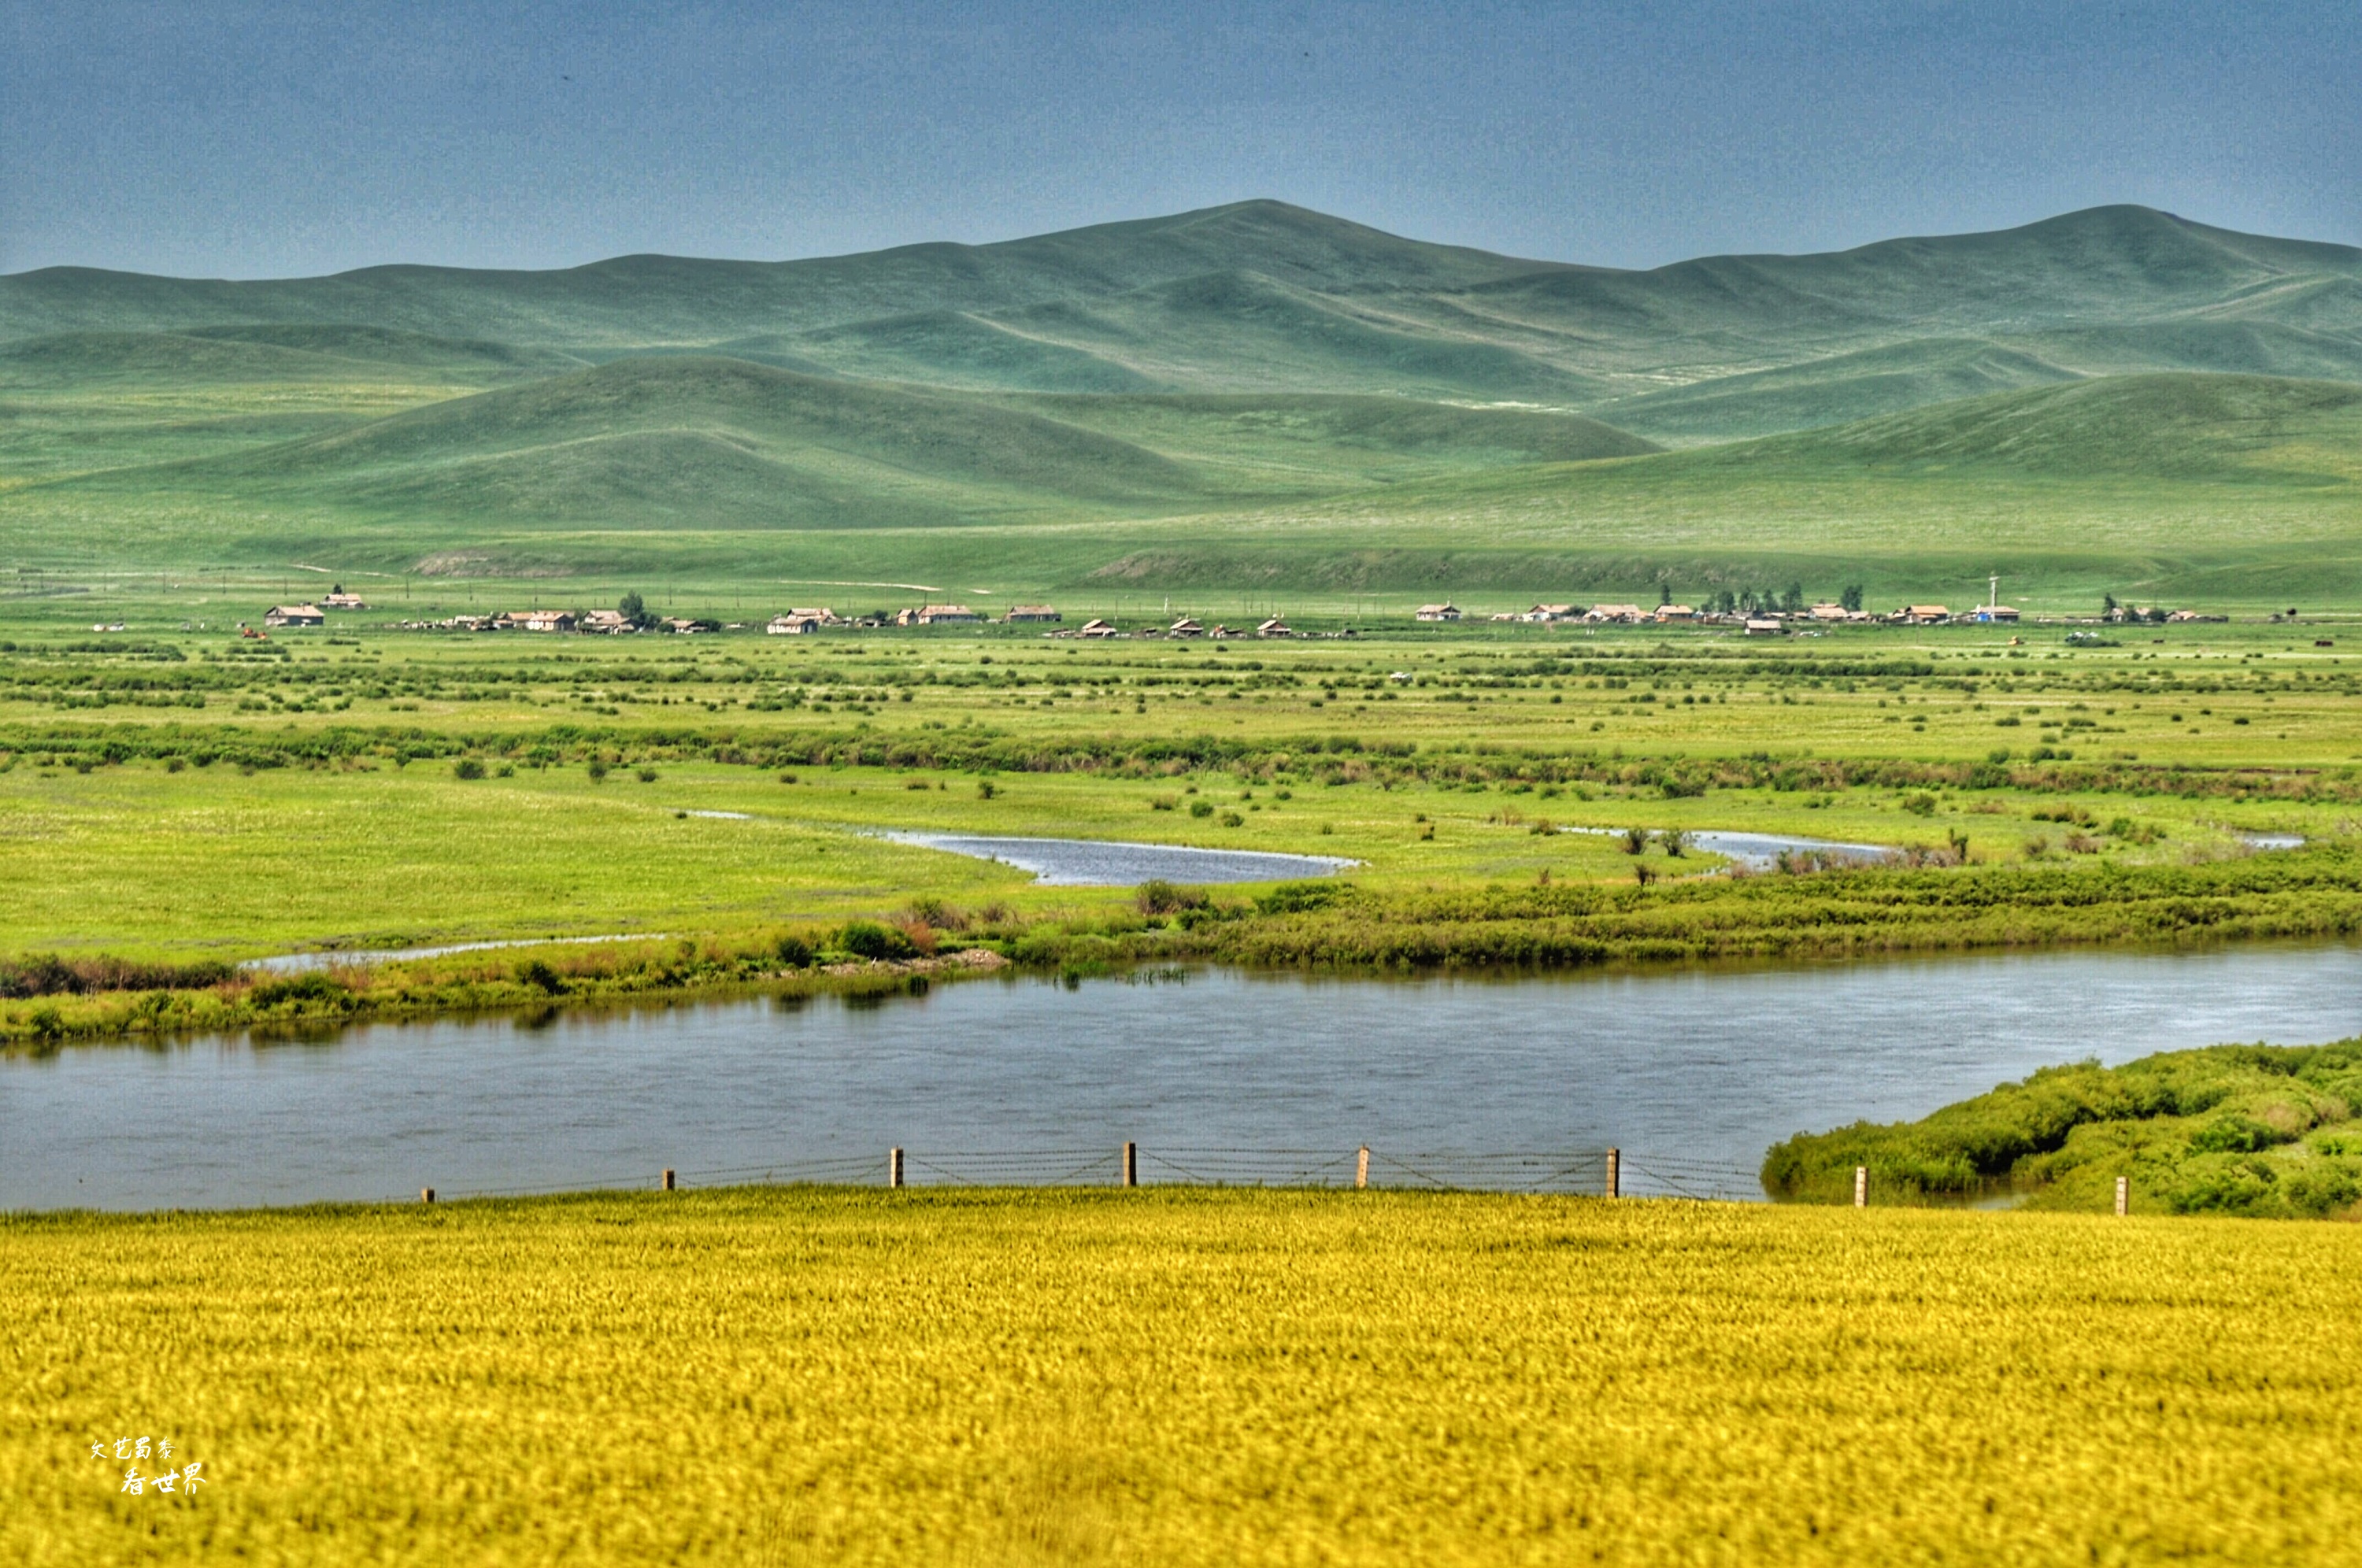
[[1701, 1063]]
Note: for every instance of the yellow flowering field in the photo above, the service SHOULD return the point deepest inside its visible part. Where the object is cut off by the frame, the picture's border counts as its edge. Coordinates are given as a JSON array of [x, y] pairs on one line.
[[785, 1376]]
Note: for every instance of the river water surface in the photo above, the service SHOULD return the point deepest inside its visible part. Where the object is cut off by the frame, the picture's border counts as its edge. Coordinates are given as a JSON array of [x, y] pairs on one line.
[[1690, 1071]]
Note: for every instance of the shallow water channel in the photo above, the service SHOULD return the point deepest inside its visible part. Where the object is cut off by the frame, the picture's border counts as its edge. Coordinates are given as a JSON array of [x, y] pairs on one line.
[[1692, 1072], [1113, 863]]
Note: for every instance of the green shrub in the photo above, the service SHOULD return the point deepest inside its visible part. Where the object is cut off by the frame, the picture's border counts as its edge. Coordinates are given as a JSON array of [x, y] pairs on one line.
[[1159, 897], [309, 987], [1297, 898], [468, 768], [870, 939], [2237, 1134], [541, 976]]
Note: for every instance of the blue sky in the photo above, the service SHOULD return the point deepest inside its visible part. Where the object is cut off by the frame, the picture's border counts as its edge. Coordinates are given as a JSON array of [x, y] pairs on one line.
[[256, 139]]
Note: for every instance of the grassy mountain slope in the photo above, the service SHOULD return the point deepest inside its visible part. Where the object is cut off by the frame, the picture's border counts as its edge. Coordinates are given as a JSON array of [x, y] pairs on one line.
[[2107, 265], [2239, 487], [2219, 429], [1335, 434], [673, 300], [2237, 346], [1836, 390], [711, 438], [2247, 503], [1261, 295], [256, 353], [682, 440], [1252, 394], [943, 348]]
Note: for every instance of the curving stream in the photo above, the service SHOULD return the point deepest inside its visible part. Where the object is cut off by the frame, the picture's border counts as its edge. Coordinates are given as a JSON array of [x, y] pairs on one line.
[[1695, 1069]]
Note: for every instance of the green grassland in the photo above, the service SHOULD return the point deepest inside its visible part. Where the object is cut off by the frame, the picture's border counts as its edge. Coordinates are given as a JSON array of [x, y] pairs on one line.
[[1249, 399], [2249, 1129], [202, 796], [1230, 413], [1180, 1377]]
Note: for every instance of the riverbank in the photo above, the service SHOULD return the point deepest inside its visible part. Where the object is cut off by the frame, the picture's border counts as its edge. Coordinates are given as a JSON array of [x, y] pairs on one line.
[[2259, 1130], [1331, 924], [1178, 1376]]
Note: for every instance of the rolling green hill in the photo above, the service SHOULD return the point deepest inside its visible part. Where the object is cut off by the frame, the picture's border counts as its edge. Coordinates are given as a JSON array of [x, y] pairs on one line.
[[711, 442], [1251, 394], [1836, 390], [2218, 429], [643, 300]]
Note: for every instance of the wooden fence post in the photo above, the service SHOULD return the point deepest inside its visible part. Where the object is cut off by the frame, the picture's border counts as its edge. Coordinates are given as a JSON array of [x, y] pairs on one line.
[[668, 1178], [894, 1167], [1862, 1187], [1615, 1172], [1131, 1164], [2124, 1195], [425, 1195], [1362, 1168]]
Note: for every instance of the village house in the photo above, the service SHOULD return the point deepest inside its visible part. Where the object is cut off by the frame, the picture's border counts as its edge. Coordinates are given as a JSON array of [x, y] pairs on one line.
[[1022, 614], [340, 600], [795, 624], [1990, 615], [947, 615], [1545, 613], [1184, 627], [1095, 627], [1824, 611], [682, 625], [1274, 627], [1922, 615], [1675, 612], [534, 621], [294, 616], [1764, 627], [1600, 614], [606, 623], [1446, 612]]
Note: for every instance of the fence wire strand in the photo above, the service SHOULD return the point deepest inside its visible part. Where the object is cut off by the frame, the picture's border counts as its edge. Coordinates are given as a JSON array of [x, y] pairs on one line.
[[1576, 1172]]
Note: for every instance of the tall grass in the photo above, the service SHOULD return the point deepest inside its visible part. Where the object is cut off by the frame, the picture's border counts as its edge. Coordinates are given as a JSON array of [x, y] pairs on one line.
[[1177, 1376]]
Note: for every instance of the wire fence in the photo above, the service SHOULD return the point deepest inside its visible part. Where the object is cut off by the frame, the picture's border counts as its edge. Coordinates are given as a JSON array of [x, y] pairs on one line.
[[1594, 1172]]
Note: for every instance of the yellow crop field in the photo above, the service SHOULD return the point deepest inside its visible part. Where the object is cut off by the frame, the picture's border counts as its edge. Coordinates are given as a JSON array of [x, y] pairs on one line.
[[1179, 1376]]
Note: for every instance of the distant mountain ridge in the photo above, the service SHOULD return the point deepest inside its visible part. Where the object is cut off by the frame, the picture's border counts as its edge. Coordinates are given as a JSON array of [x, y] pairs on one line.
[[1251, 394], [1264, 296]]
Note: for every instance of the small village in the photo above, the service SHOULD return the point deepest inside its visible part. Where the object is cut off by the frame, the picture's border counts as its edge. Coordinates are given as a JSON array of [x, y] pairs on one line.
[[1754, 619]]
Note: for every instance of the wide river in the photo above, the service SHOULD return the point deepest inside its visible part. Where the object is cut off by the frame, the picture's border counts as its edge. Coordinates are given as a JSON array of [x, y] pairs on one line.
[[1692, 1072]]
